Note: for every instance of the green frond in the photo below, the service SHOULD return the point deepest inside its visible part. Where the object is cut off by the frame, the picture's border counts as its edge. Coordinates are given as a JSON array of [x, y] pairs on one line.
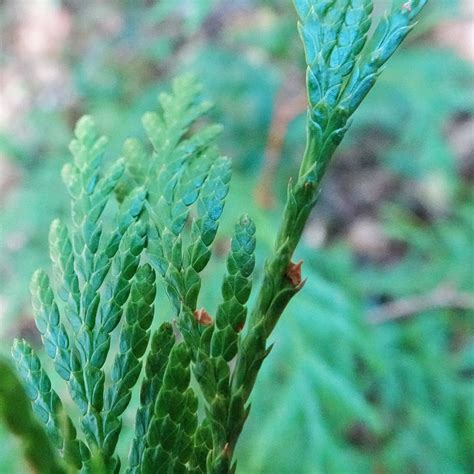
[[174, 420], [231, 314], [156, 362], [389, 34], [19, 418], [154, 213], [209, 209], [202, 447], [53, 332], [133, 342], [343, 66], [188, 173], [62, 257], [47, 405]]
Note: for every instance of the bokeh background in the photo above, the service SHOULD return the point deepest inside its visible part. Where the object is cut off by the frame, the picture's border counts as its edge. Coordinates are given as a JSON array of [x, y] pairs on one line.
[[373, 365]]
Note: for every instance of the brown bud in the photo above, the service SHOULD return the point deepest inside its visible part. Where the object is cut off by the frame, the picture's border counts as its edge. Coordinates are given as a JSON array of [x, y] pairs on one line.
[[293, 273], [239, 327], [203, 317]]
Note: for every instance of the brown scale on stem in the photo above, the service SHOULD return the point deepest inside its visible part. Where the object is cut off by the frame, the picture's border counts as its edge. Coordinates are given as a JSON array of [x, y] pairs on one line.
[[293, 273], [239, 327], [203, 317]]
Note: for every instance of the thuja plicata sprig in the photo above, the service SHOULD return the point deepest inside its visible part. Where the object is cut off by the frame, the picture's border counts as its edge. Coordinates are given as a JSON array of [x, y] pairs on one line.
[[149, 221]]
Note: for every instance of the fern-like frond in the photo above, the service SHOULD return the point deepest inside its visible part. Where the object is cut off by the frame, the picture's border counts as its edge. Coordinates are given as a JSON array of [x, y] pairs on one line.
[[18, 417], [47, 405], [343, 65], [161, 345], [169, 438]]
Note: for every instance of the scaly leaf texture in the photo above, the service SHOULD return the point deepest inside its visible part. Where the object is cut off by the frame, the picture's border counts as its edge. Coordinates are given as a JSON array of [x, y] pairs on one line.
[[15, 412], [389, 34], [48, 406], [185, 169], [174, 421], [98, 271], [94, 270], [210, 206], [203, 445], [53, 332], [226, 413], [333, 33], [342, 68], [157, 359], [188, 171], [93, 343], [62, 257], [341, 71], [133, 342], [232, 312], [89, 193], [104, 269]]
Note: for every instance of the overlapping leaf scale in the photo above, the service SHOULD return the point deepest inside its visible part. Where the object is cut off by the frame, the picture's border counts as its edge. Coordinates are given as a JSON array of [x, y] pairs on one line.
[[167, 132], [47, 405], [103, 258], [55, 337], [180, 110], [137, 162], [182, 271], [231, 314], [174, 421], [213, 376], [156, 362], [133, 342], [225, 410], [169, 168], [188, 170], [389, 34], [169, 216], [116, 288], [333, 33], [89, 195], [53, 332], [95, 275], [202, 447], [209, 210], [343, 66], [62, 257], [134, 338], [180, 189], [180, 166], [203, 231], [219, 343], [16, 414], [93, 344]]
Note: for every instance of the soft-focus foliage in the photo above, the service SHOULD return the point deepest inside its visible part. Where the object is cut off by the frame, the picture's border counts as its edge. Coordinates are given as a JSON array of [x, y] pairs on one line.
[[337, 393]]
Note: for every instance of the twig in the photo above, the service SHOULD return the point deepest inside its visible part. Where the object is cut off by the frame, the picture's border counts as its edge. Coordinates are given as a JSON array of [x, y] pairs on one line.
[[440, 298]]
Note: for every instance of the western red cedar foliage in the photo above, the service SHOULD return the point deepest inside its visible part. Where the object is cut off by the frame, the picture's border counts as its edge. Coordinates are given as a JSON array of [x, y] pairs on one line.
[[152, 216]]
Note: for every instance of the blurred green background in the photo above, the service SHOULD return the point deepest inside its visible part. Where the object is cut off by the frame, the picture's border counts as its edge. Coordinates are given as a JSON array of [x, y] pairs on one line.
[[373, 365]]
